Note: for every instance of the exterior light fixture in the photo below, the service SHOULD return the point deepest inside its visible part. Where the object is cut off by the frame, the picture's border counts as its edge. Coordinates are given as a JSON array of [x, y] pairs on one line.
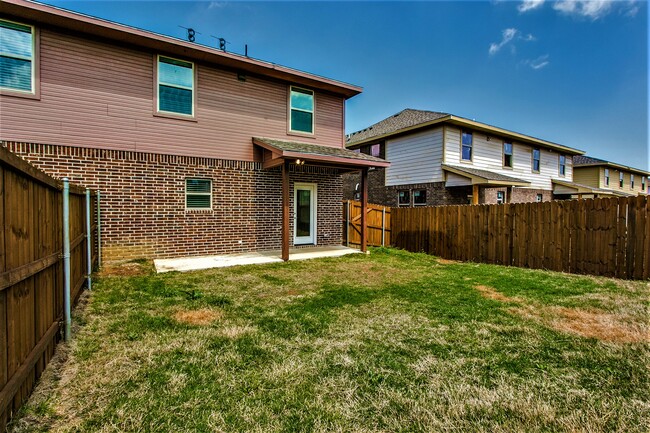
[[300, 162]]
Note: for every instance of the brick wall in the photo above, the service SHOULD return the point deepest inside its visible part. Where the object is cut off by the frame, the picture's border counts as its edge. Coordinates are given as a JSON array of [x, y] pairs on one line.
[[143, 200]]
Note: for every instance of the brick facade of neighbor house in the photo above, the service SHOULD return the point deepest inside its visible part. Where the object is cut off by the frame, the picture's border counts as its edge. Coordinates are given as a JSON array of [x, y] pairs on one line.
[[143, 200]]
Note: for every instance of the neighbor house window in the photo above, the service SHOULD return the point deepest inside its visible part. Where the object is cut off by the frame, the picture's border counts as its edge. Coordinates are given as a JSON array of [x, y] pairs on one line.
[[501, 197], [17, 51], [420, 197], [631, 181], [375, 150], [643, 183], [620, 179], [606, 177], [536, 156], [301, 118], [466, 146], [539, 198], [198, 194], [403, 198], [562, 165], [507, 155], [175, 86]]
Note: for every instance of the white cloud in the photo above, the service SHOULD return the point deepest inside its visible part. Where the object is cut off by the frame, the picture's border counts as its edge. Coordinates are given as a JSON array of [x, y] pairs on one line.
[[595, 9], [217, 5], [507, 36], [529, 5], [538, 63]]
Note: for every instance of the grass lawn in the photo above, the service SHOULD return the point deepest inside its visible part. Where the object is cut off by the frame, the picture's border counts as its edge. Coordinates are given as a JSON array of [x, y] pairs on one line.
[[390, 342]]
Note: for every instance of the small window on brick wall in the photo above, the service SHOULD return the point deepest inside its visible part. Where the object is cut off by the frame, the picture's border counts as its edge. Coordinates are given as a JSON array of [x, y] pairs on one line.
[[419, 197], [198, 194], [404, 198], [501, 197]]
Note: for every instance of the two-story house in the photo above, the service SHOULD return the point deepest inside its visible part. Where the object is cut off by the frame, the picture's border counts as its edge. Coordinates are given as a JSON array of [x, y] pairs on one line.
[[196, 151], [596, 177], [439, 158]]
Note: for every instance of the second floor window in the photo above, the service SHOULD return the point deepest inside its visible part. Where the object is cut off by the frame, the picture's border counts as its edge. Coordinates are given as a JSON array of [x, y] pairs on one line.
[[632, 181], [507, 155], [175, 86], [301, 117], [620, 180], [606, 177], [16, 57], [536, 164], [466, 146], [375, 150], [643, 184], [562, 165]]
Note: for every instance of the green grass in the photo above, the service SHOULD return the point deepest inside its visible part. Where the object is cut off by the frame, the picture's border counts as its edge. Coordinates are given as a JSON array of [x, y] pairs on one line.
[[390, 342]]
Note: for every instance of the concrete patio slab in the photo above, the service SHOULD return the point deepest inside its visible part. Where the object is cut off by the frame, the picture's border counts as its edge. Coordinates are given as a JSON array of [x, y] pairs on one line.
[[221, 261]]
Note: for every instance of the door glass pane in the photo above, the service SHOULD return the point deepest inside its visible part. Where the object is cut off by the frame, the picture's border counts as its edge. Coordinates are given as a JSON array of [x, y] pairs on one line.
[[303, 213]]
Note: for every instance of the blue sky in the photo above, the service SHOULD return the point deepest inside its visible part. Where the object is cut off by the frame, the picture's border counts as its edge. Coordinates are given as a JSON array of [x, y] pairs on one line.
[[572, 72]]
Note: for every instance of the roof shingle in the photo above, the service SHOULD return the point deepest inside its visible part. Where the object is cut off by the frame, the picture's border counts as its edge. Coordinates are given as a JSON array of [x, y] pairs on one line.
[[403, 119], [317, 149]]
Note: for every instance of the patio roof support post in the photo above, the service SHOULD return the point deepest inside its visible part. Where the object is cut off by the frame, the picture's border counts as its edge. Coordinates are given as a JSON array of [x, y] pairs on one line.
[[474, 194], [364, 209], [285, 211]]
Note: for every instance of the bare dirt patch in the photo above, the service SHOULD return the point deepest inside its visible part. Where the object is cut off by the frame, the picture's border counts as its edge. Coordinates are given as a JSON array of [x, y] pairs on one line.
[[491, 293], [447, 262], [126, 269], [201, 317]]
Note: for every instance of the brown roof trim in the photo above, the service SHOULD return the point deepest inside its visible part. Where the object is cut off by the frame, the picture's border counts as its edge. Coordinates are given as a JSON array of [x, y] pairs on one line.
[[478, 126], [586, 189], [53, 16], [352, 160]]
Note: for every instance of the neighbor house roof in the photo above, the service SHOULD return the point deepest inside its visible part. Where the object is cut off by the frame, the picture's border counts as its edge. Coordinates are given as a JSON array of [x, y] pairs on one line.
[[484, 177], [586, 189], [588, 161], [279, 150], [81, 24], [410, 120]]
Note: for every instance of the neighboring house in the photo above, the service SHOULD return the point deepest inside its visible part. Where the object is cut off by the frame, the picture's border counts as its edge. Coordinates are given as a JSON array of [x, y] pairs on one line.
[[598, 178], [440, 159], [195, 150]]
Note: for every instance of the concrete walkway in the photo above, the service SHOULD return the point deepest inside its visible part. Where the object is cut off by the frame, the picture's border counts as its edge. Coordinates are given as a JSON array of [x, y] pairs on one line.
[[222, 261]]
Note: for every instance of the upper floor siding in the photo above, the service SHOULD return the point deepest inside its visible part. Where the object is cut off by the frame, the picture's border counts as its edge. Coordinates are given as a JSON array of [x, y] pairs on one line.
[[610, 178], [415, 158], [98, 94], [487, 154]]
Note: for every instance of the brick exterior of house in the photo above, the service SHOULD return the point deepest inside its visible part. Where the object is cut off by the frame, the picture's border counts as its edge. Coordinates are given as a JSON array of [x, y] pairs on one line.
[[437, 193], [143, 200]]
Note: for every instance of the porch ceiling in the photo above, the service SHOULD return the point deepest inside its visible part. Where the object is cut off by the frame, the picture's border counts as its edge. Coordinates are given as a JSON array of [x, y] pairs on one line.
[[277, 151]]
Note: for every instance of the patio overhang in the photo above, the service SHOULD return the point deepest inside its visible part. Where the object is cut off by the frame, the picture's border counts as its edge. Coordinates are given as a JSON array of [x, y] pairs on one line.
[[276, 152], [561, 187], [485, 177], [281, 153]]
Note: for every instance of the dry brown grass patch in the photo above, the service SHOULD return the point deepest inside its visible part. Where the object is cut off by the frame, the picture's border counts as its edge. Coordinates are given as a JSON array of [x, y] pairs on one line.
[[447, 262], [491, 293], [125, 269], [202, 317]]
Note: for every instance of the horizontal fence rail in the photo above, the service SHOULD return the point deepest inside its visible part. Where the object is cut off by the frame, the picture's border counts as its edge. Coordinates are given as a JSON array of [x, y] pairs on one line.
[[31, 276], [378, 224], [605, 236]]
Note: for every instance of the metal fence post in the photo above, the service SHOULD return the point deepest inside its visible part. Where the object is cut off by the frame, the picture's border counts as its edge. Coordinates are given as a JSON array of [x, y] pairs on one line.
[[89, 250], [99, 234], [66, 259], [383, 225]]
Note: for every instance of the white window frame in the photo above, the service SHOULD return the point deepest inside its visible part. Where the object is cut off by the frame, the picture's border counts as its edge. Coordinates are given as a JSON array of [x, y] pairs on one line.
[[511, 154], [501, 194], [621, 179], [471, 146], [539, 198], [408, 191], [607, 177], [413, 197], [312, 239], [33, 60], [561, 166], [197, 193], [643, 178], [539, 160], [313, 111], [631, 181], [158, 83]]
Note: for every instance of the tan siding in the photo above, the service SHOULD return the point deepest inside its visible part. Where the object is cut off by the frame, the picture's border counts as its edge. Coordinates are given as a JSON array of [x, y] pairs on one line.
[[101, 96], [590, 176]]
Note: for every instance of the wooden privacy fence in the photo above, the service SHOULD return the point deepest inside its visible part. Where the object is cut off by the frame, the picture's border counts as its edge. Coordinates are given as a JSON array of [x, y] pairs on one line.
[[31, 272], [378, 224], [606, 236]]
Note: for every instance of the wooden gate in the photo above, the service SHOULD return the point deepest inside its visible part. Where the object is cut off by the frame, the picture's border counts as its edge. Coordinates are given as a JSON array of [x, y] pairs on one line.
[[378, 224]]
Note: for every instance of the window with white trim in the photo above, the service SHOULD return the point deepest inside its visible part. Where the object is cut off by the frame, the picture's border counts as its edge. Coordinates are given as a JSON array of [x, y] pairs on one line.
[[198, 194], [562, 169], [536, 160], [301, 107], [643, 184], [507, 154], [175, 86], [419, 197], [539, 198], [404, 198], [631, 181], [501, 197], [17, 51], [607, 177], [620, 180], [467, 143]]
